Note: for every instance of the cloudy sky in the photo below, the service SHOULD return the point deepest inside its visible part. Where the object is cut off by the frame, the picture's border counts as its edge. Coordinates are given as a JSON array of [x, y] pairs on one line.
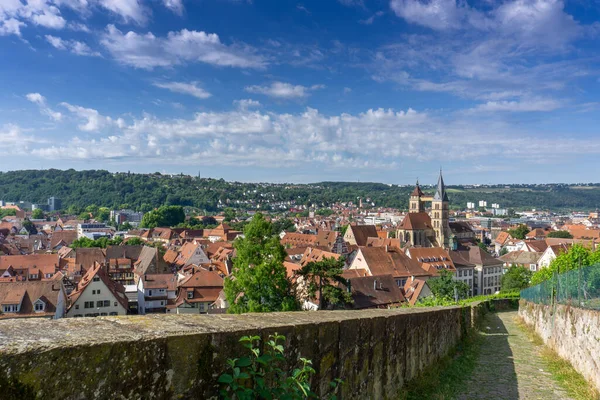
[[304, 91]]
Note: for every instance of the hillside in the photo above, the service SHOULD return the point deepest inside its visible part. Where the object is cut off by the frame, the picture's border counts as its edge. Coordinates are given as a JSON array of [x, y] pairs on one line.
[[146, 191]]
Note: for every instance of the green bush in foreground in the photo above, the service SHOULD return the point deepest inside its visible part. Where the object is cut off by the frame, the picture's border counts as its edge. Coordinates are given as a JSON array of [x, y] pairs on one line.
[[260, 376]]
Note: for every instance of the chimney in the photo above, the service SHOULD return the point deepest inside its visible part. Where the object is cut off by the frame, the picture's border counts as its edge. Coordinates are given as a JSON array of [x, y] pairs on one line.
[[386, 248], [374, 284]]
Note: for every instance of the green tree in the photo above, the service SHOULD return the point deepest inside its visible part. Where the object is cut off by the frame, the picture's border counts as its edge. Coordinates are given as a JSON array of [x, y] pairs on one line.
[[103, 214], [135, 241], [164, 216], [519, 232], [27, 224], [84, 215], [229, 214], [444, 285], [324, 277], [5, 212], [258, 282], [572, 259], [503, 251], [37, 214], [560, 234], [482, 246], [125, 226], [516, 278]]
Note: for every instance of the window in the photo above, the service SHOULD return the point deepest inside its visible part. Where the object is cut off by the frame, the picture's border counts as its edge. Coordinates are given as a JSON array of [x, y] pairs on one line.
[[115, 303], [77, 316], [39, 306], [103, 314], [149, 292], [106, 303], [190, 295], [88, 304], [93, 292], [97, 291], [96, 279], [99, 303], [201, 306], [114, 313]]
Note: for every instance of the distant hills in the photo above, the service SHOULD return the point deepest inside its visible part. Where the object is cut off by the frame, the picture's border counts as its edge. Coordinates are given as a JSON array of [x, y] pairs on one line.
[[79, 189]]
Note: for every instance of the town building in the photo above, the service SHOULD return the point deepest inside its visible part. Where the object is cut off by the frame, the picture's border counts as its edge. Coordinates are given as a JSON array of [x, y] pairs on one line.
[[97, 295]]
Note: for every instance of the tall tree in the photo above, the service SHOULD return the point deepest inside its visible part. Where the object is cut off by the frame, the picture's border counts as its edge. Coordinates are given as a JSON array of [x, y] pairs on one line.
[[37, 214], [258, 282], [163, 216], [323, 277], [519, 232], [516, 278], [443, 286]]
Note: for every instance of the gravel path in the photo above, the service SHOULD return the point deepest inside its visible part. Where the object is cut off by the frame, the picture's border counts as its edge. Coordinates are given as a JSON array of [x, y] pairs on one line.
[[510, 366]]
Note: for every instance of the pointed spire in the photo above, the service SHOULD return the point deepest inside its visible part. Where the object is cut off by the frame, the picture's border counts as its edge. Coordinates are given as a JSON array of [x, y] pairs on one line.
[[440, 193], [417, 191]]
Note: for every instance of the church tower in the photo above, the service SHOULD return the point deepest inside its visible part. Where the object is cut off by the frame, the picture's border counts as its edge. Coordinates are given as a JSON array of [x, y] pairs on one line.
[[415, 203], [440, 214]]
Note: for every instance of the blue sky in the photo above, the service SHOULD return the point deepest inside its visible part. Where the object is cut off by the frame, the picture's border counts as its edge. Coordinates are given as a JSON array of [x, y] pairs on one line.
[[290, 91]]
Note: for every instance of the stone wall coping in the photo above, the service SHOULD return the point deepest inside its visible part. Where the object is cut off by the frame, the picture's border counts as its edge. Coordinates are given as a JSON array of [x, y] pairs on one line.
[[33, 334]]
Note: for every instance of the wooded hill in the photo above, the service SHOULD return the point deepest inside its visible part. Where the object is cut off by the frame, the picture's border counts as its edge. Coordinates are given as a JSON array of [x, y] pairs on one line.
[[144, 192]]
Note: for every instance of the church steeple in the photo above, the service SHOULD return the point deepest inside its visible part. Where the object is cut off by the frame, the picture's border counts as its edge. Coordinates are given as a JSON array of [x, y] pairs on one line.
[[416, 205], [439, 213], [440, 193]]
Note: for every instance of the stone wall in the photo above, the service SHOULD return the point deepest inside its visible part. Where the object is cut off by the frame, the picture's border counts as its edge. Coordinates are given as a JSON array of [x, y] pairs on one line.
[[574, 333], [182, 356]]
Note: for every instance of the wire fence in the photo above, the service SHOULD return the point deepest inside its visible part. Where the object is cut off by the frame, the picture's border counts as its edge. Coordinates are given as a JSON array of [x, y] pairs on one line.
[[578, 287]]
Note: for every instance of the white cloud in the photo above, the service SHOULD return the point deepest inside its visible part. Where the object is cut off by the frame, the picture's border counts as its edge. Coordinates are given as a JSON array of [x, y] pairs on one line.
[[94, 121], [191, 88], [78, 27], [283, 90], [40, 100], [377, 139], [14, 13], [518, 106], [174, 5], [148, 51], [129, 10], [12, 136], [74, 46], [245, 104], [11, 26], [371, 19]]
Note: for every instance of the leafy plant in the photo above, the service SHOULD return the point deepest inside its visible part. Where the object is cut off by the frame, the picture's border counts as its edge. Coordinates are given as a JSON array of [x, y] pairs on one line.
[[260, 375]]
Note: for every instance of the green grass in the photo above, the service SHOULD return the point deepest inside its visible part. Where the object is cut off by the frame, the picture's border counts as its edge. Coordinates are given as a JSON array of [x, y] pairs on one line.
[[447, 378], [562, 371]]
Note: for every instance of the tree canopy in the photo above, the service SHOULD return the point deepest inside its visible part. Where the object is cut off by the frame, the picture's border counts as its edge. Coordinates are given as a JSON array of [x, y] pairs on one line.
[[560, 234], [443, 286], [519, 232], [324, 277], [163, 216], [516, 278], [577, 256], [258, 282], [102, 242], [144, 192]]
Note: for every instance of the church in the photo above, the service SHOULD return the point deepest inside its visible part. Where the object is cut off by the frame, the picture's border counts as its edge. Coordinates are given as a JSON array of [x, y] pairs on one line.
[[422, 229]]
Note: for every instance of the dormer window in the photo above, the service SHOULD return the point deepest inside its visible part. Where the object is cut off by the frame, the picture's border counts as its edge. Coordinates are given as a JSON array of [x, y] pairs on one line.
[[190, 295], [39, 306], [96, 279]]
